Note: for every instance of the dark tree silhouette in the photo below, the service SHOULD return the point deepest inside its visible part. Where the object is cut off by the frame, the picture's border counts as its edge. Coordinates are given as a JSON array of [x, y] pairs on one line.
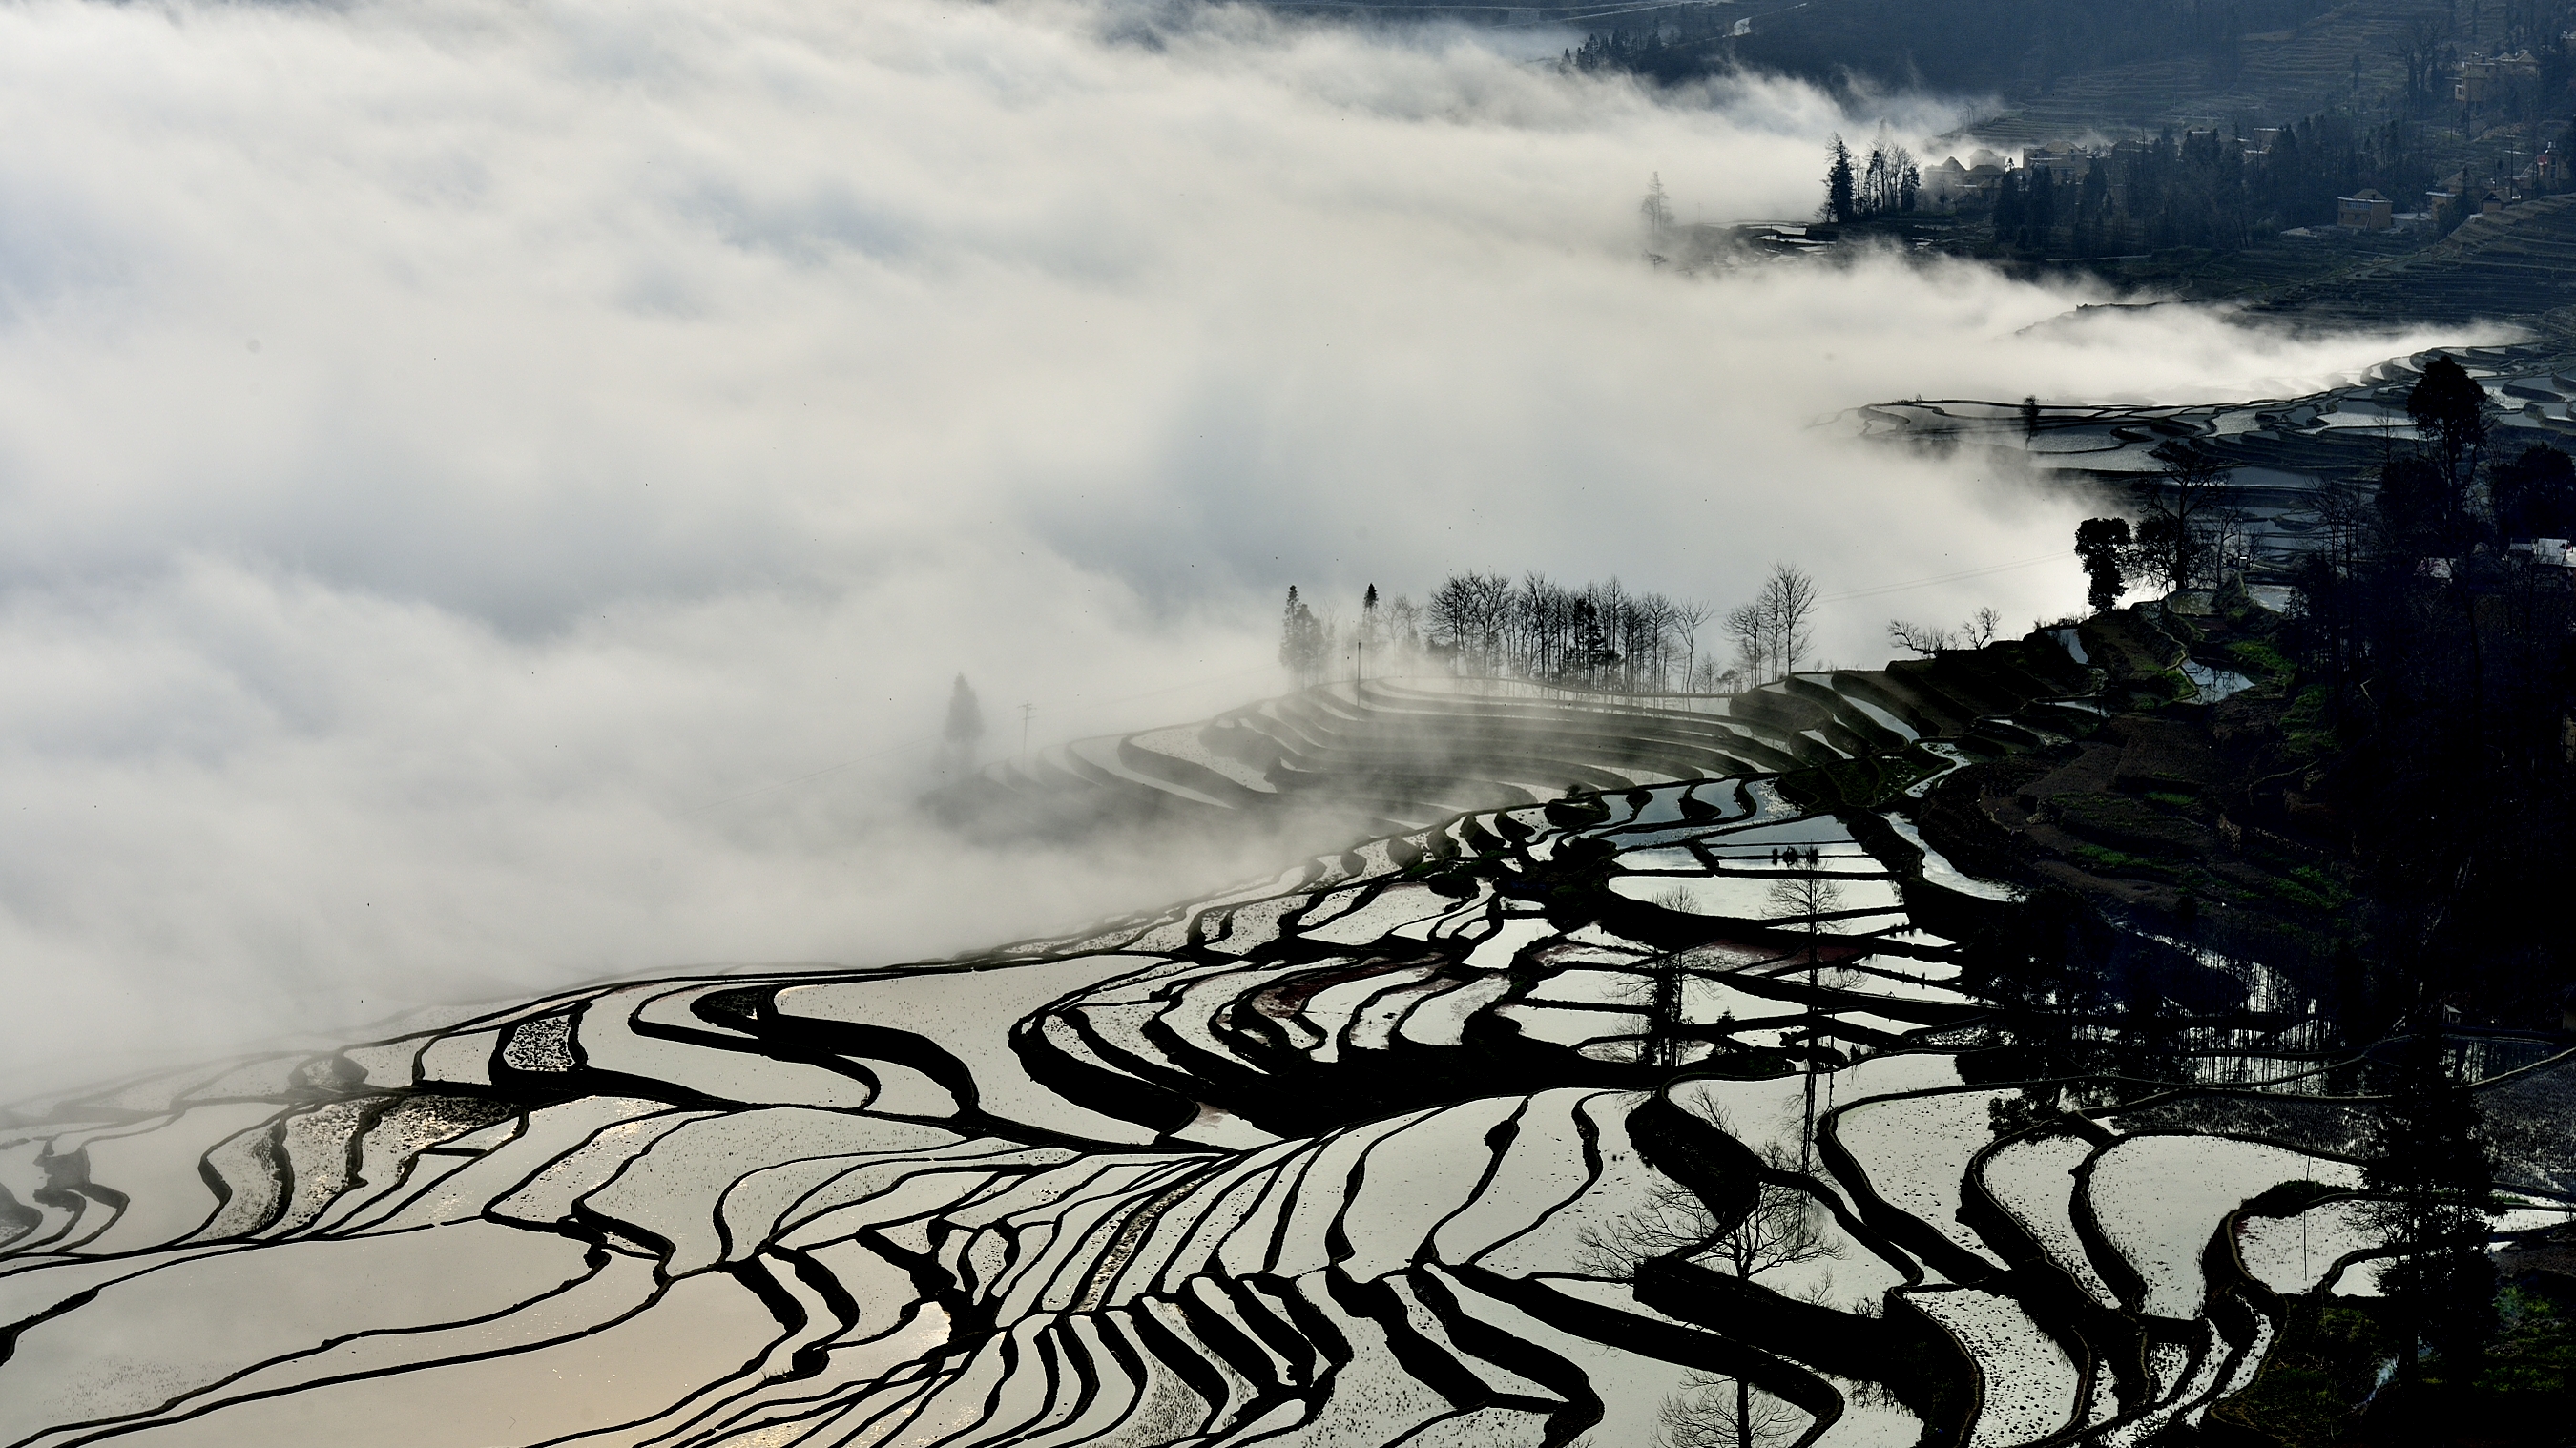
[[1301, 639], [1783, 1228], [1368, 630], [1840, 185], [2173, 539], [2535, 494], [2101, 543], [2412, 502], [1788, 607], [1723, 1412], [2432, 1165], [1804, 900], [2450, 411]]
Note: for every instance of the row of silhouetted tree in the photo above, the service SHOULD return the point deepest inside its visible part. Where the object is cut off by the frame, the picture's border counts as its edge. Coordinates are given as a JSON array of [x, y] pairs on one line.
[[2203, 189], [1600, 635]]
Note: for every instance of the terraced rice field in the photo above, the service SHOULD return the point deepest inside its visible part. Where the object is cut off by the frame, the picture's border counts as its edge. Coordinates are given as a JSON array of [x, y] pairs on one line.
[[2282, 451], [2517, 266], [1389, 755], [1443, 1139]]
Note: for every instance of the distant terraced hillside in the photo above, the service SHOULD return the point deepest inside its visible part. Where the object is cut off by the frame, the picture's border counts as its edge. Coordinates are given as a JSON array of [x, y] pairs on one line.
[[2518, 263], [2281, 76], [1396, 754], [2281, 450], [2061, 72]]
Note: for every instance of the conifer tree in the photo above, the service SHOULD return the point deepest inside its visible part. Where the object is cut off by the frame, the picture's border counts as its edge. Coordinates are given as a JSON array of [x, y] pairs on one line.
[[1368, 629], [1301, 639], [1838, 183]]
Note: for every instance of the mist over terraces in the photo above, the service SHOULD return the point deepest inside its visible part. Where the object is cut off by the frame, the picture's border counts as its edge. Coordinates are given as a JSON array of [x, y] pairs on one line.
[[651, 563]]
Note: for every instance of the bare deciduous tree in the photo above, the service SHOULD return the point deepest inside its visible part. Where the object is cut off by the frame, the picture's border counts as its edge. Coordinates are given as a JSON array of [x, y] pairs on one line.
[[2173, 540], [1926, 640], [1788, 604], [1785, 1228], [1602, 635], [1806, 899], [1717, 1412], [1688, 615], [1744, 629], [1774, 631], [1656, 210], [2421, 48], [1919, 638]]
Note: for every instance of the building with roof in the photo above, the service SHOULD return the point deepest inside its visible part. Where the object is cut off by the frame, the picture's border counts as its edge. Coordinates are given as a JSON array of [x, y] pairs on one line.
[[2365, 210], [2483, 78]]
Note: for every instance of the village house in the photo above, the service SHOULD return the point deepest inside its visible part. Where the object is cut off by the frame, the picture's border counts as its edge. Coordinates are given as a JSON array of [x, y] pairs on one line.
[[2483, 78], [2062, 164], [2365, 210]]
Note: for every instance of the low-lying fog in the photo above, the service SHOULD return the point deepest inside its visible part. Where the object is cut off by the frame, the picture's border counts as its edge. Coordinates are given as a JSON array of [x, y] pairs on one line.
[[463, 464]]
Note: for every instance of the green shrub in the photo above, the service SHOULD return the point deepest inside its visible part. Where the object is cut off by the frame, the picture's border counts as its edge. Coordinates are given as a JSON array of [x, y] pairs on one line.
[[2102, 859], [2259, 658], [2329, 891]]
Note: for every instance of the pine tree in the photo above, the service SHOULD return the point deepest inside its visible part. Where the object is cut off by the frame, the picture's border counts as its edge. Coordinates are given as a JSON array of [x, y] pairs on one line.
[[1838, 183], [1368, 629], [1301, 639]]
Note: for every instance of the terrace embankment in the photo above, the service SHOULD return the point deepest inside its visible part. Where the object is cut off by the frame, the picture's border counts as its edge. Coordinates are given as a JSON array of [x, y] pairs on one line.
[[2189, 812], [1387, 755], [2516, 264]]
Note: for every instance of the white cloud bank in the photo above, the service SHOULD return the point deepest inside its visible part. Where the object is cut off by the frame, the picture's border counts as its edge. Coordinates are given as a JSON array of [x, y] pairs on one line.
[[446, 447]]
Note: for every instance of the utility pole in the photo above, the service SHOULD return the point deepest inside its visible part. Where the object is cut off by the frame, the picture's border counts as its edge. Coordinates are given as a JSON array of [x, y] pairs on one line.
[[1807, 1138], [1026, 710], [1814, 895]]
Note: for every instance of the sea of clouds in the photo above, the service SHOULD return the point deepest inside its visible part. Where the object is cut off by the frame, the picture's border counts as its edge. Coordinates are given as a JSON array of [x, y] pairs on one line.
[[493, 494]]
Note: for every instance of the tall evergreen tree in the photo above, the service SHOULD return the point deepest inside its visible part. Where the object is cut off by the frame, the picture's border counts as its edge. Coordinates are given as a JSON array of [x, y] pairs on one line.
[[1839, 183], [1368, 629], [1301, 639]]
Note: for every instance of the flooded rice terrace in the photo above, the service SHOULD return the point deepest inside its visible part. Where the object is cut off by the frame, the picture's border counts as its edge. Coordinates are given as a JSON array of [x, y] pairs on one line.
[[1583, 1122]]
